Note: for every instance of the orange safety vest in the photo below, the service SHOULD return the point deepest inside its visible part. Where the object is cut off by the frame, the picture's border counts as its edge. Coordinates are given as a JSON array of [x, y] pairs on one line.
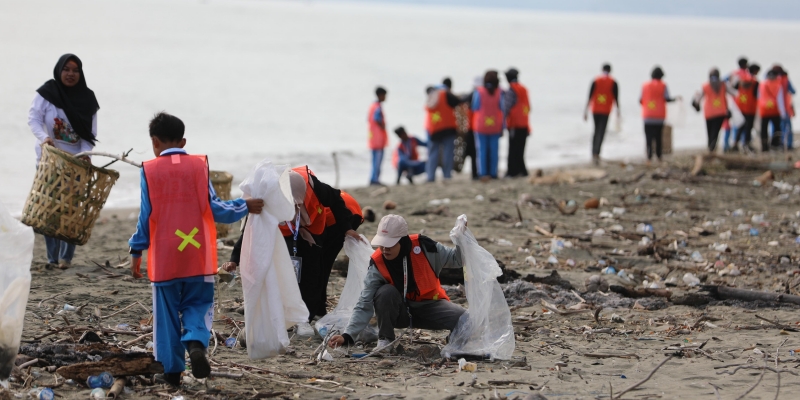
[[489, 118], [768, 98], [315, 209], [518, 115], [654, 106], [351, 205], [427, 282], [183, 237], [746, 96], [440, 117], [412, 151], [603, 95], [376, 134], [715, 103]]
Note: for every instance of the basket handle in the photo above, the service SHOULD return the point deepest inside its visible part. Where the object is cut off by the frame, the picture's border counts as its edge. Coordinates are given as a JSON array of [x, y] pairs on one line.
[[114, 156]]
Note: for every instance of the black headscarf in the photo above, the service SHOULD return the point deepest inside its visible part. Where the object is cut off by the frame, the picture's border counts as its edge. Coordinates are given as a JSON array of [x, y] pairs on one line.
[[395, 267], [78, 102]]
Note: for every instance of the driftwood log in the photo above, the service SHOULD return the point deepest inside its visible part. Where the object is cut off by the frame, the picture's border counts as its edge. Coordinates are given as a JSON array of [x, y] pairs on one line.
[[554, 279], [729, 293], [639, 293], [740, 163], [117, 365]]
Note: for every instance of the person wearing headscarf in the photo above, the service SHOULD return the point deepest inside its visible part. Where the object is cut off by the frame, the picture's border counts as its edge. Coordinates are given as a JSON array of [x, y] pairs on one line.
[[64, 114], [488, 105], [402, 286], [715, 106], [654, 99], [307, 236]]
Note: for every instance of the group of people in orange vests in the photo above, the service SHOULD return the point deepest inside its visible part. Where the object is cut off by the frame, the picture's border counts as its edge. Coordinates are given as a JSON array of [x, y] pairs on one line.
[[770, 100], [490, 111]]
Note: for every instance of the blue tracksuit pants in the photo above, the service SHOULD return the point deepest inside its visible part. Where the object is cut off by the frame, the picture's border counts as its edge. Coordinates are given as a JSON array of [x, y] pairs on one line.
[[182, 312]]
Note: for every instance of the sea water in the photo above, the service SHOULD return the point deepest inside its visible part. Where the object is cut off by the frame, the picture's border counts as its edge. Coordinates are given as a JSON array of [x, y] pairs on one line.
[[292, 81]]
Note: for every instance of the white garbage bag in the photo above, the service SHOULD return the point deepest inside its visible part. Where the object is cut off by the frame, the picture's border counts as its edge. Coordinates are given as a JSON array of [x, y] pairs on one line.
[[359, 253], [272, 301], [16, 254], [485, 330], [737, 118]]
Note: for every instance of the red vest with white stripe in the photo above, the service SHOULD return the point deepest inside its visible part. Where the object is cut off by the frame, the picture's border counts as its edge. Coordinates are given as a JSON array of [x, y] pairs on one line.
[[182, 232], [427, 282]]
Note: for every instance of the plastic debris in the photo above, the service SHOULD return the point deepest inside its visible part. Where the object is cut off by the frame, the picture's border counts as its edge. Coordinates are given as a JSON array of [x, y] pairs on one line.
[[609, 270], [618, 210], [439, 202], [556, 246], [552, 260], [464, 365], [691, 280], [753, 232], [644, 228], [99, 393], [758, 218], [530, 261], [503, 242], [697, 257], [103, 380], [725, 235], [230, 342]]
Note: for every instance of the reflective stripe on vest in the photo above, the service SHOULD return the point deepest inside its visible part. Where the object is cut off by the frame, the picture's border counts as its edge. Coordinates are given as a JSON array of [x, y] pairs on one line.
[[603, 95], [376, 134], [351, 205], [768, 98], [440, 117], [316, 212], [715, 104], [427, 282], [518, 115], [654, 106], [411, 151], [488, 118], [183, 236], [745, 97]]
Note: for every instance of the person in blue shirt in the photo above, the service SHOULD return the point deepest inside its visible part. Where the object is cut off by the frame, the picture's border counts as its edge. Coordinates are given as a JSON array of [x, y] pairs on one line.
[[405, 158], [176, 226]]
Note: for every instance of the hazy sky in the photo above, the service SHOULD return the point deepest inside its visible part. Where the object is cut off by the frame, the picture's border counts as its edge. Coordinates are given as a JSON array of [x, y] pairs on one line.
[[761, 9]]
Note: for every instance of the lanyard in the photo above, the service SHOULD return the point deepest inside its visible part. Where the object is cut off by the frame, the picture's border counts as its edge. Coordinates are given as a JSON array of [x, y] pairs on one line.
[[405, 291], [295, 231]]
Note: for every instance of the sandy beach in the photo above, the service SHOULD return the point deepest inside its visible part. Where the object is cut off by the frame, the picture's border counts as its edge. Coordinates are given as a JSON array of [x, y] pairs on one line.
[[653, 224]]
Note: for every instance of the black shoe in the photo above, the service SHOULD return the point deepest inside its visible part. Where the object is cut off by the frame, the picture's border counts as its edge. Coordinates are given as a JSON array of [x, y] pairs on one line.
[[197, 356], [172, 378]]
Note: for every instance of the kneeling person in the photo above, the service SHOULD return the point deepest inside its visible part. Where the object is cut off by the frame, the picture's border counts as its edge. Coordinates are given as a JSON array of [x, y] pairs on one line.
[[402, 285]]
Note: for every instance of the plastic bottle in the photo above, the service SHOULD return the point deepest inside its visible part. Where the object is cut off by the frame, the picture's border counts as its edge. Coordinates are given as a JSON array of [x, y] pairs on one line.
[[98, 393], [46, 394], [690, 279], [68, 307], [230, 342], [552, 260], [556, 246], [103, 380], [697, 257], [753, 232], [609, 270]]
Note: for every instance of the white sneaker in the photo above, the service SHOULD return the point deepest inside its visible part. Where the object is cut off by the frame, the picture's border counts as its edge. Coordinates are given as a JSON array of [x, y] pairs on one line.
[[304, 329], [383, 344]]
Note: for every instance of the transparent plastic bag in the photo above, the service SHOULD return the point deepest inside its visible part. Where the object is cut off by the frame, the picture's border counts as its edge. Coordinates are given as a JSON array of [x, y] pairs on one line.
[[16, 254], [737, 118], [359, 253], [485, 330], [272, 301], [676, 114]]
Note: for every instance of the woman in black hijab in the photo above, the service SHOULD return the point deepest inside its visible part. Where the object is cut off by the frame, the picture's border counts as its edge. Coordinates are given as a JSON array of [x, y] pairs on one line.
[[64, 114]]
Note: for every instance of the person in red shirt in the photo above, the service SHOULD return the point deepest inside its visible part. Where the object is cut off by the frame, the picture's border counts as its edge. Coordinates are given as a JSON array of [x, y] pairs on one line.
[[654, 99], [715, 106], [377, 135], [603, 94], [517, 108]]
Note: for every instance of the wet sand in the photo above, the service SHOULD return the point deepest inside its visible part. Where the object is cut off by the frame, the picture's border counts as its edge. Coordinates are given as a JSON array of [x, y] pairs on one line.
[[558, 355]]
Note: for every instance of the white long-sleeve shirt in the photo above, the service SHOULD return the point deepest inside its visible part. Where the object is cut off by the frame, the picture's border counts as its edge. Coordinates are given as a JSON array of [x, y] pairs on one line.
[[49, 121]]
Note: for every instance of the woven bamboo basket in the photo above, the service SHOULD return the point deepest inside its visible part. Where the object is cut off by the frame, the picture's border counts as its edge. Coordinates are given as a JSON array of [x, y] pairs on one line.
[[221, 181], [67, 196]]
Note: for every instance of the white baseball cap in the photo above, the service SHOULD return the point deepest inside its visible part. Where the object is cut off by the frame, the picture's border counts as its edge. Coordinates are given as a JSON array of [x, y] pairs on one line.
[[390, 230]]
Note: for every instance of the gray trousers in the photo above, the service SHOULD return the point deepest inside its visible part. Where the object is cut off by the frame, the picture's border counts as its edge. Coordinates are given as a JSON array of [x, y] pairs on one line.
[[391, 313]]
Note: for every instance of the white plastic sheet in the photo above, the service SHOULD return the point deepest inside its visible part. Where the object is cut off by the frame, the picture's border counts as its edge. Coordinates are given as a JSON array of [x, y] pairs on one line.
[[737, 118], [359, 253], [485, 330], [16, 253], [272, 301]]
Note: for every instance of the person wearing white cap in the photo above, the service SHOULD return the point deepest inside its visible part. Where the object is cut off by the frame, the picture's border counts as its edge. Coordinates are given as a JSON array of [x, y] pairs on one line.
[[402, 285]]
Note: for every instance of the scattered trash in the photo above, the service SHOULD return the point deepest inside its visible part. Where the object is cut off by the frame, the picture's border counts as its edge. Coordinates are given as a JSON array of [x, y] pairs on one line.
[[691, 280], [645, 241], [230, 342], [439, 202], [552, 260], [725, 235], [571, 262], [99, 393], [609, 270], [503, 242], [606, 215], [773, 243], [556, 245], [618, 211], [479, 198], [530, 261], [599, 232], [697, 257], [68, 307], [596, 283], [753, 232], [463, 365], [103, 380], [616, 318], [757, 218], [616, 228], [644, 228], [738, 213]]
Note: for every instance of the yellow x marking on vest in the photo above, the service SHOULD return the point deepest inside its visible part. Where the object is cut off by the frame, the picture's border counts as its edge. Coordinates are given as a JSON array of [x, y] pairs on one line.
[[770, 104], [188, 239], [743, 98], [717, 103], [601, 99], [489, 121], [436, 117], [651, 105]]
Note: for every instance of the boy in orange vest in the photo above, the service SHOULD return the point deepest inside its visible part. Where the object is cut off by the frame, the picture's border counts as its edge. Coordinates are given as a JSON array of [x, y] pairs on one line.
[[402, 285], [377, 139], [176, 226]]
